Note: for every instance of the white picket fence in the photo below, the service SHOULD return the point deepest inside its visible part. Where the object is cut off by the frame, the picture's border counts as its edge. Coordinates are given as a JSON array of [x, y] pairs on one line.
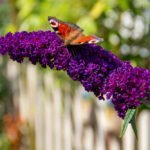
[[64, 122]]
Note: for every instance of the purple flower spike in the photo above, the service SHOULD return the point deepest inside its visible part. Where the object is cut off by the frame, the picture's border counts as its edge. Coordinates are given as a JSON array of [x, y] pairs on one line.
[[97, 69], [42, 47], [128, 87]]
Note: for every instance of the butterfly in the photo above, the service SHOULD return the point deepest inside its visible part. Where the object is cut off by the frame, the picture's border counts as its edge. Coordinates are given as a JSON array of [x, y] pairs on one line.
[[71, 34]]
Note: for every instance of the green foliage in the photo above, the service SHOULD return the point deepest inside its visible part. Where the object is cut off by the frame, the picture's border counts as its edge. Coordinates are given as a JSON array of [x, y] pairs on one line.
[[134, 127], [4, 11], [4, 142], [129, 118]]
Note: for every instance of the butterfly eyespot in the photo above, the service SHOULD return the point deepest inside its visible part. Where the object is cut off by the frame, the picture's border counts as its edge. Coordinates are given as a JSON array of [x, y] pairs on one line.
[[92, 41], [53, 23]]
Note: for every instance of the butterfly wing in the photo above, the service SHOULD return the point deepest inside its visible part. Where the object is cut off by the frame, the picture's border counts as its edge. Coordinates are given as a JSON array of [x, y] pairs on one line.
[[70, 33], [67, 31], [91, 39]]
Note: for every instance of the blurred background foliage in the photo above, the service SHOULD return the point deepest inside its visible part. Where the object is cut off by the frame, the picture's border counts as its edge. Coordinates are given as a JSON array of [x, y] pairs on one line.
[[124, 25]]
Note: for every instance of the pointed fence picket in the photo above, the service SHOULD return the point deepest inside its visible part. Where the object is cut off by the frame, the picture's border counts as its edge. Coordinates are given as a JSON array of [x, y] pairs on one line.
[[61, 121]]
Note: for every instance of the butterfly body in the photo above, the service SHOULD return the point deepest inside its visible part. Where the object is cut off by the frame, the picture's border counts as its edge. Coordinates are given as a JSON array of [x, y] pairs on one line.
[[71, 34]]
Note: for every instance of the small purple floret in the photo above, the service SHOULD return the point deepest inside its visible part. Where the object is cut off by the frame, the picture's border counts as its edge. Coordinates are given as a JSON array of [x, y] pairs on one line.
[[97, 69]]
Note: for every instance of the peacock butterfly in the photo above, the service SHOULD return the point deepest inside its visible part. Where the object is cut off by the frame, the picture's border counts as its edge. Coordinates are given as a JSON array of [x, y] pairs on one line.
[[71, 34]]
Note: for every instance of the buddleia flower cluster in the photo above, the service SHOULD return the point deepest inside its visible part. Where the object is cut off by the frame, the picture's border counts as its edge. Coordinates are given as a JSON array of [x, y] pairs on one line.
[[97, 69]]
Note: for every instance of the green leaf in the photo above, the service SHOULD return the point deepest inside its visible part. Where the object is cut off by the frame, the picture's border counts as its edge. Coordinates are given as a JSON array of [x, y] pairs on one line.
[[133, 124], [129, 116]]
